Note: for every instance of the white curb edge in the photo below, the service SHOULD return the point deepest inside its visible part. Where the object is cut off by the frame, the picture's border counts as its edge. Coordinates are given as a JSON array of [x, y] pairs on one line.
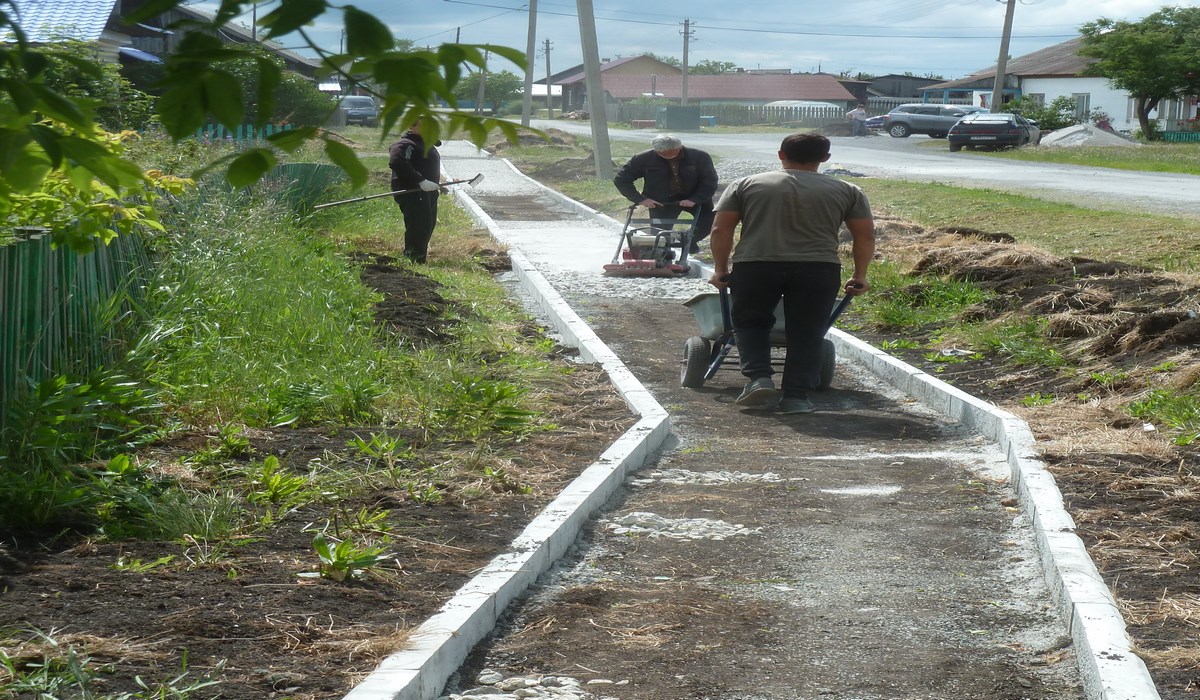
[[1107, 664], [440, 645]]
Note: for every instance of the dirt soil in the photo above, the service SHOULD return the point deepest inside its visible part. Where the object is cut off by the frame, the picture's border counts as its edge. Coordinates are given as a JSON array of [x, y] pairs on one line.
[[244, 614]]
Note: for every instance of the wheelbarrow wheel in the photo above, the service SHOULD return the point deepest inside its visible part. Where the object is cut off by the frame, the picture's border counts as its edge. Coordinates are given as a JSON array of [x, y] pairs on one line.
[[696, 354], [828, 360]]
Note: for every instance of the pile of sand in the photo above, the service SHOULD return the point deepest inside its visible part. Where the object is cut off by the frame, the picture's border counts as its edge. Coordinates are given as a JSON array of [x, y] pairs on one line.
[[1085, 135]]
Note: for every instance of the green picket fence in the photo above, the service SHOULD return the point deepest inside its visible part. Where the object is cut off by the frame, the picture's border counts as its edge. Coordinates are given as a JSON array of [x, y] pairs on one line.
[[244, 133], [1181, 136], [58, 308]]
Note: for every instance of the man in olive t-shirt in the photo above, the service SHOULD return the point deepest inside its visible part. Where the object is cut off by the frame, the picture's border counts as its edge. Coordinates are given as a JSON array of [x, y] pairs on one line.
[[790, 220]]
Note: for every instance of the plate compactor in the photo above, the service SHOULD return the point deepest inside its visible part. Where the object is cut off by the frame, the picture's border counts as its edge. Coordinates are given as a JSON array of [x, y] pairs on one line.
[[652, 247]]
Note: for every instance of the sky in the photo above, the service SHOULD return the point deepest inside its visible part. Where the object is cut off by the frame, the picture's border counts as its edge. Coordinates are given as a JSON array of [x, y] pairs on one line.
[[941, 38]]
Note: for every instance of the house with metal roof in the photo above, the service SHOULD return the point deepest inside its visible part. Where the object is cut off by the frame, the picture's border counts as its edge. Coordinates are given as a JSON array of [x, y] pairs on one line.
[[1058, 71], [740, 88], [99, 23]]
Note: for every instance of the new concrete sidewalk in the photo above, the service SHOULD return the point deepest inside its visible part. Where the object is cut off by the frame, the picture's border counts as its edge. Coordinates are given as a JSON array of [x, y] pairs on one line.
[[574, 239]]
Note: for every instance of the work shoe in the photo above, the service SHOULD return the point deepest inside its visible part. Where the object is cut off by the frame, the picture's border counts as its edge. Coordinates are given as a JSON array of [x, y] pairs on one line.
[[795, 404], [759, 393]]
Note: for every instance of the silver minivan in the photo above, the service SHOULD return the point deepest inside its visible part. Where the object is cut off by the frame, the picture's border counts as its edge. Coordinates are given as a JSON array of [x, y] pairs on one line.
[[925, 118]]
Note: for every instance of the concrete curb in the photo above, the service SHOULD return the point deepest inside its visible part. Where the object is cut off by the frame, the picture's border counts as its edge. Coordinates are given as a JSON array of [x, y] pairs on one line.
[[441, 644], [1110, 669]]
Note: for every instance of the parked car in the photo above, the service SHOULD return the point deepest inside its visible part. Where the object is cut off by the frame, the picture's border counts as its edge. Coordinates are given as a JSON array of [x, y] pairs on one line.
[[925, 118], [992, 131], [875, 123], [360, 109]]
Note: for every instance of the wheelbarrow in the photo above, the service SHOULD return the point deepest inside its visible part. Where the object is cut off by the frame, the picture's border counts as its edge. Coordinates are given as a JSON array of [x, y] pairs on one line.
[[704, 354]]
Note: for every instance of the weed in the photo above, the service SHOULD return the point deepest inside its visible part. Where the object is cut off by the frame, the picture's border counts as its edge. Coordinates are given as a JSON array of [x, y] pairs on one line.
[[1038, 399], [1109, 380], [274, 485], [503, 481], [63, 672], [383, 449], [138, 566], [899, 344], [1181, 412], [346, 560]]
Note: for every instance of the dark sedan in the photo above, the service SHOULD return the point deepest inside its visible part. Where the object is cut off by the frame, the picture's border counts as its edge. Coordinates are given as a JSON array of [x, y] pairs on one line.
[[993, 130]]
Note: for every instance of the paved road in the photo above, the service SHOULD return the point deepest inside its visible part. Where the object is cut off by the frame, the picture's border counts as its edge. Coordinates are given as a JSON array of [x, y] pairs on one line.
[[913, 159]]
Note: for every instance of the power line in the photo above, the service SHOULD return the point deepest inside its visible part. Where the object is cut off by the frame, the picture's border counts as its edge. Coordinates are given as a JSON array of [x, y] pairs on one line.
[[752, 30]]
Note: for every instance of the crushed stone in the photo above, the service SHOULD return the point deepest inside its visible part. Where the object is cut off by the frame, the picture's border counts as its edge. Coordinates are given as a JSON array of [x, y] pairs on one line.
[[1084, 135]]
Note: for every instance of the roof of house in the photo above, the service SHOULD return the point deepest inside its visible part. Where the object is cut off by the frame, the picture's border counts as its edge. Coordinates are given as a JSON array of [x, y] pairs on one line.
[[578, 74], [45, 22], [729, 86], [1058, 61]]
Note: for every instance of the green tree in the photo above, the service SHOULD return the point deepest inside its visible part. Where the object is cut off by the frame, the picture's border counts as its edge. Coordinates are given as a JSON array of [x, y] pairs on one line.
[[46, 130], [297, 100], [1155, 59], [669, 60], [711, 67], [498, 88], [1059, 114], [72, 70]]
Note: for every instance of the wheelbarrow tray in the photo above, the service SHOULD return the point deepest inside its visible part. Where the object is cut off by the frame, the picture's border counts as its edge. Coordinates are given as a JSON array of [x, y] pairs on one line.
[[704, 354]]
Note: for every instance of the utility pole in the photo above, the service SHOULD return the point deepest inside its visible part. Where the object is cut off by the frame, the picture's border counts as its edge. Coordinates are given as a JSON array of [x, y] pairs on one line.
[[687, 38], [1002, 61], [549, 90], [530, 47], [482, 83], [601, 151]]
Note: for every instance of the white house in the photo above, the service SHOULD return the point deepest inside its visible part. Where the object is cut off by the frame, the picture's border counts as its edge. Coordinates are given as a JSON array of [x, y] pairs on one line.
[[1054, 72]]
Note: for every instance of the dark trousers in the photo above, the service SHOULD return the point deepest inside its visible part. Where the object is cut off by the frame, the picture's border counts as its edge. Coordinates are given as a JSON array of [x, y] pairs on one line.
[[703, 211], [808, 290], [420, 216]]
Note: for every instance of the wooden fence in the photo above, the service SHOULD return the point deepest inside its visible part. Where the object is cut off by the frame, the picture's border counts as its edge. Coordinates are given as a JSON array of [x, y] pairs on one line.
[[59, 309]]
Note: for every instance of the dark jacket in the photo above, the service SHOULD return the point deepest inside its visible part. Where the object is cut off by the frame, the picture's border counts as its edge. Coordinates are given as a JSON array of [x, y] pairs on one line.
[[411, 163], [695, 169]]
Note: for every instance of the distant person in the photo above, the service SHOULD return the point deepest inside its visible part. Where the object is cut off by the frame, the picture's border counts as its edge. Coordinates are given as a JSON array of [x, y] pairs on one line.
[[674, 179], [858, 120], [417, 168], [790, 220]]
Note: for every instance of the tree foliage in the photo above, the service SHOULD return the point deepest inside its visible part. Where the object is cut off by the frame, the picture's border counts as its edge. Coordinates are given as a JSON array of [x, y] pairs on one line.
[[45, 129], [1155, 59], [498, 88], [711, 67], [1059, 114]]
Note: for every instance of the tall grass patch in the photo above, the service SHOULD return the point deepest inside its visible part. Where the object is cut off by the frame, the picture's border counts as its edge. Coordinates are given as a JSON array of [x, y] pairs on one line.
[[267, 322]]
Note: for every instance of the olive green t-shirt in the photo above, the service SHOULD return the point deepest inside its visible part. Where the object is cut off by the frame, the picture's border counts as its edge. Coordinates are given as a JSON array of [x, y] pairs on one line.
[[792, 215]]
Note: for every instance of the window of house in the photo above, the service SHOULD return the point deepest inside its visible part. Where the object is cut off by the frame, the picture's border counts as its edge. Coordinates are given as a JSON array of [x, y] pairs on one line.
[[1038, 98], [1083, 105]]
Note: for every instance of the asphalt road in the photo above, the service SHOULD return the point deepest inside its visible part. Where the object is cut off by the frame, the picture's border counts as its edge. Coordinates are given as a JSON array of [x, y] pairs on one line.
[[915, 159]]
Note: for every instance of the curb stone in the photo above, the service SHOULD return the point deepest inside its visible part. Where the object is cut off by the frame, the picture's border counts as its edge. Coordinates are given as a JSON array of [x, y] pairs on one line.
[[1108, 667]]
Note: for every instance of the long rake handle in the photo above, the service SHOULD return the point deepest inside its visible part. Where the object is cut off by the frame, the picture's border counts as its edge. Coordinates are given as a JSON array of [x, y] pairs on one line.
[[392, 194]]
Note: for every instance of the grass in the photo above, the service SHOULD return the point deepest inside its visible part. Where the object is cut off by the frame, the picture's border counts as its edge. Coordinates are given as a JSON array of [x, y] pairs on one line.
[[1150, 157], [1162, 242]]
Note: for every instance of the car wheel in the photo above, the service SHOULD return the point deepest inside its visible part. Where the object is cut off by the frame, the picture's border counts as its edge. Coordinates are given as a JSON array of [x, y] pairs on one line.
[[955, 147], [900, 131]]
